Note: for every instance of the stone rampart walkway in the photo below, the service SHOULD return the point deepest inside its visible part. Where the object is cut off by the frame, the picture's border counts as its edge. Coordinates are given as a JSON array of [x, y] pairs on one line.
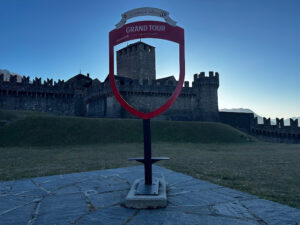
[[95, 197]]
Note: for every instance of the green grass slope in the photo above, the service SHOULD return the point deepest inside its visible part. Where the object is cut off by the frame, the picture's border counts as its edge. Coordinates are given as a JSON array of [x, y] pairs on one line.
[[41, 129]]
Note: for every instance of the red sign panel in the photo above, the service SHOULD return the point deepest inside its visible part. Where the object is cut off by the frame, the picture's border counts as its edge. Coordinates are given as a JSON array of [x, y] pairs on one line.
[[147, 29]]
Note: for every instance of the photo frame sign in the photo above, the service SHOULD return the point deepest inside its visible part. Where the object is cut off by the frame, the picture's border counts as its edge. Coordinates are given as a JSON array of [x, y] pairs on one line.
[[147, 29]]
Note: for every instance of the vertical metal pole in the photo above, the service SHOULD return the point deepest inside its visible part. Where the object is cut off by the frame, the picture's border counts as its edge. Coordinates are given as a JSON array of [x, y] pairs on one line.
[[147, 152]]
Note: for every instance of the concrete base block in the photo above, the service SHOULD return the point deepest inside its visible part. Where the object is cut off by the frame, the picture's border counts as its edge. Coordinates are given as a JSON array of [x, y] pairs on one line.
[[138, 201]]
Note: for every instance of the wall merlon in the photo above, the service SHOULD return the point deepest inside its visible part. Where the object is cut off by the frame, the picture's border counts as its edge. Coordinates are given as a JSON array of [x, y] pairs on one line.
[[48, 82], [279, 122], [37, 81], [267, 121], [25, 80], [59, 83], [294, 123]]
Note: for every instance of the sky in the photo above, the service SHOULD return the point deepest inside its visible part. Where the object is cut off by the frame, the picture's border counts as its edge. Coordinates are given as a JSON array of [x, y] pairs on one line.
[[253, 44]]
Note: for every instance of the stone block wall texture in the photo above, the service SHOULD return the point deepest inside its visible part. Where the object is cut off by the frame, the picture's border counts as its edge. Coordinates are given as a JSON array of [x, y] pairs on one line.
[[206, 90], [137, 61], [58, 98]]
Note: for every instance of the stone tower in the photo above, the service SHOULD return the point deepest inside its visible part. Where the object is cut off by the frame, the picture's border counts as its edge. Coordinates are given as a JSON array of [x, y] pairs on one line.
[[206, 90], [137, 61]]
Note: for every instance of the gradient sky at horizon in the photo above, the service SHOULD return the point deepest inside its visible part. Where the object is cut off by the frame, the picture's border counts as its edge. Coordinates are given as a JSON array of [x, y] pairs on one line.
[[253, 44]]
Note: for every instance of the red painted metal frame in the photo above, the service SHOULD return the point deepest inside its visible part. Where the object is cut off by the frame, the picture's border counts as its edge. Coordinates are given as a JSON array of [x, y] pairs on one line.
[[171, 33]]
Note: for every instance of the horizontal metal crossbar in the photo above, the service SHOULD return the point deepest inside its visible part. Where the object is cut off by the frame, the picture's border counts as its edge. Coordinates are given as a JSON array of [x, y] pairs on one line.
[[153, 159]]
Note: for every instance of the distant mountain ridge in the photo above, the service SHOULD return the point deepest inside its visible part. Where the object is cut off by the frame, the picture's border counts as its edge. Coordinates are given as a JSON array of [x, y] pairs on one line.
[[8, 74], [259, 118], [243, 110]]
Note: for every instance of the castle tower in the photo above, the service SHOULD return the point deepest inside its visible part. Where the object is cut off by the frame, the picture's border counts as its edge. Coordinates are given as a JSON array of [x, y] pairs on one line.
[[137, 61], [206, 91]]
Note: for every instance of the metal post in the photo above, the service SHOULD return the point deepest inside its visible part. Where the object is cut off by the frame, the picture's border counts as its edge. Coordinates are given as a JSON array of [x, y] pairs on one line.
[[147, 152]]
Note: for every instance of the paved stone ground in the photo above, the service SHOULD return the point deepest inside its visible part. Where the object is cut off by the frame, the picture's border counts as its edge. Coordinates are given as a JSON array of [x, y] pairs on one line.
[[95, 198]]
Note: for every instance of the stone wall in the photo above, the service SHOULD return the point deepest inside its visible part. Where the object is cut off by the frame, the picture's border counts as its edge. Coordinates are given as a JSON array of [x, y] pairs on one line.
[[182, 108], [206, 91], [241, 121], [192, 104], [278, 132], [137, 61], [266, 131], [96, 108], [47, 97], [82, 96]]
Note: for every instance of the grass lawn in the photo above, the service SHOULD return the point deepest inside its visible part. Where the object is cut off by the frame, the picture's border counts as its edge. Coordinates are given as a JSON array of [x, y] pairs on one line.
[[40, 129], [268, 170], [38, 144]]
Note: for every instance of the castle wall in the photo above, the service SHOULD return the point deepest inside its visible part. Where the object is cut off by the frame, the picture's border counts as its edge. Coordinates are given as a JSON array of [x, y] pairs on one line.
[[36, 96], [80, 96], [182, 109], [80, 107], [113, 107], [59, 105], [146, 96], [266, 131], [278, 132], [241, 121], [97, 107]]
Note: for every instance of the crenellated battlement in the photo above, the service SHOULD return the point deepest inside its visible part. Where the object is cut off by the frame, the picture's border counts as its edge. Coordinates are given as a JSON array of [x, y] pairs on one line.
[[268, 130], [279, 123], [35, 85], [212, 79], [83, 96], [277, 132], [162, 86], [144, 87], [38, 95], [134, 48]]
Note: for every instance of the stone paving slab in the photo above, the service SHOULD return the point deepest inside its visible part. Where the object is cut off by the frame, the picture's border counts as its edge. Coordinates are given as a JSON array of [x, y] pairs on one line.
[[96, 197]]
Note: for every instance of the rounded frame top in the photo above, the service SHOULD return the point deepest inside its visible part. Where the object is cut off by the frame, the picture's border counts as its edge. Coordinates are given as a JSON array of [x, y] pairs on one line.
[[146, 11]]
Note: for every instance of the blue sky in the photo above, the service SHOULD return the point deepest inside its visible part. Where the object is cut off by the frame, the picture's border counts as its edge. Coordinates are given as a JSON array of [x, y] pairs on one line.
[[254, 45]]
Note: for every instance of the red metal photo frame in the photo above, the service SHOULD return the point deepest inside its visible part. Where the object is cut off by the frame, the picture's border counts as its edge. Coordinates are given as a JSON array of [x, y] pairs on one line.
[[147, 29]]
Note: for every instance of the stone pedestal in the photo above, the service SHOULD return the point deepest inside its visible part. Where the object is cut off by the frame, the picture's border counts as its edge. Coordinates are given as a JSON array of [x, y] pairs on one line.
[[137, 200]]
